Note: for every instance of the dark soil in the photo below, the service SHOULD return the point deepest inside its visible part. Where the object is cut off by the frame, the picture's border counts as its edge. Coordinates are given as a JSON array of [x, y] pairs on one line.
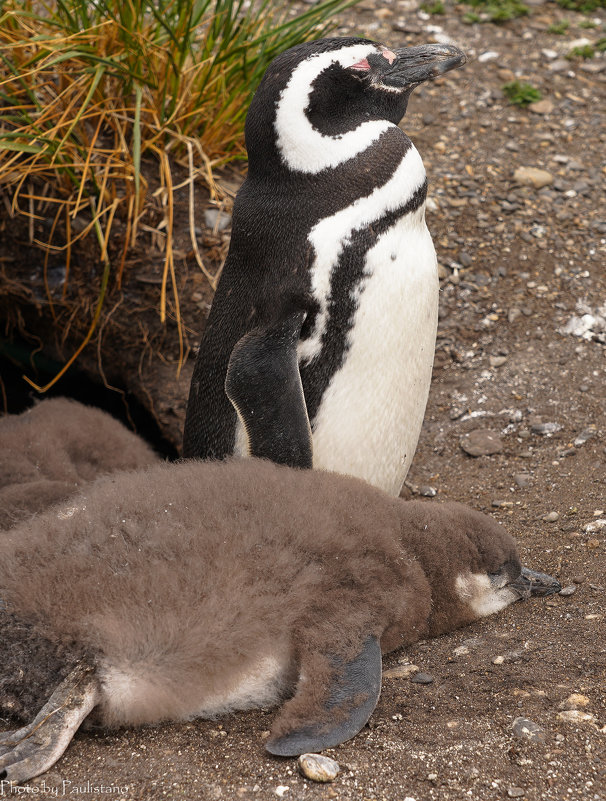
[[515, 263]]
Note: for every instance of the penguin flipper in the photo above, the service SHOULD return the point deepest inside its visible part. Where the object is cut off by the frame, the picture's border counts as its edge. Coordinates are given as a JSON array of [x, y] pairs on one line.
[[264, 385], [353, 695]]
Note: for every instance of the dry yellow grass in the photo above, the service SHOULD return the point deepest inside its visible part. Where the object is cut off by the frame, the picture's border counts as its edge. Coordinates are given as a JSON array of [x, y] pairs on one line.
[[88, 90]]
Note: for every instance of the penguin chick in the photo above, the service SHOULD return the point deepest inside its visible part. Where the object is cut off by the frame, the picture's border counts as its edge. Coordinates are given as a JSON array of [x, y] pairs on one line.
[[197, 589], [50, 451], [329, 246]]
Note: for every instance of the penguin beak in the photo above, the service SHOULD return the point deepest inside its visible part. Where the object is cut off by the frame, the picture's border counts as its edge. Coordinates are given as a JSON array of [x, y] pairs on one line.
[[413, 65], [531, 584]]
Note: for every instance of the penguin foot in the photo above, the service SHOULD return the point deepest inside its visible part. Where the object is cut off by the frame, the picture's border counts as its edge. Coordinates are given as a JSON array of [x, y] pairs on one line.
[[29, 751], [352, 699]]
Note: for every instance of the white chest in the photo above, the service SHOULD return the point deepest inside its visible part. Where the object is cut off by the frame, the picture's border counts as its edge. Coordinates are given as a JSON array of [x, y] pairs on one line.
[[370, 417]]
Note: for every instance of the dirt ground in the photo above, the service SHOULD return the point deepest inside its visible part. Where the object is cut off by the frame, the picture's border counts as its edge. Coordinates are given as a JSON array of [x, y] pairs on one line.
[[516, 262]]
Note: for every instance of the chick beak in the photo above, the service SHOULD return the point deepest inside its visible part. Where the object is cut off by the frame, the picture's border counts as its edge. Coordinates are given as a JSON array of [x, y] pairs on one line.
[[531, 584], [413, 65]]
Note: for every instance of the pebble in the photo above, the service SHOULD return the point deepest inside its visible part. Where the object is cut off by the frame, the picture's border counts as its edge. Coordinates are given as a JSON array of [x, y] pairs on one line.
[[551, 517], [318, 768], [585, 436], [597, 525], [216, 220], [497, 361], [529, 730], [559, 65], [566, 591], [545, 429], [533, 176], [515, 792], [542, 107], [522, 480], [481, 442], [281, 789], [575, 701], [575, 716], [400, 672], [465, 259], [422, 678], [489, 55], [593, 543]]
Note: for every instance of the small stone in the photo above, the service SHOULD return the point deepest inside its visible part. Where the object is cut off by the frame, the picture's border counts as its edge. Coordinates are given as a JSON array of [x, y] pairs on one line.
[[318, 768], [281, 789], [216, 220], [551, 517], [545, 429], [529, 730], [575, 716], [593, 543], [513, 314], [522, 480], [481, 442], [461, 650], [575, 701], [567, 591], [488, 55], [422, 678], [497, 361], [597, 525], [498, 660], [533, 176], [427, 492], [400, 672], [465, 259], [541, 107], [585, 436], [404, 26], [515, 792]]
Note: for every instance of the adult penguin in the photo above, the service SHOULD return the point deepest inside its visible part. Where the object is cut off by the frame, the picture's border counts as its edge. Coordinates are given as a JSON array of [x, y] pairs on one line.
[[330, 260]]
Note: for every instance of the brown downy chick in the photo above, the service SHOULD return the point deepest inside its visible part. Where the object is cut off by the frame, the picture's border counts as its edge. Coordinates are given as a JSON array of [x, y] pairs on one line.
[[198, 589], [52, 450]]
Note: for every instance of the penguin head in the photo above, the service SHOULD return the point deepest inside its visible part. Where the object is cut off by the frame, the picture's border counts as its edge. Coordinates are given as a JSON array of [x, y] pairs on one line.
[[471, 562], [323, 102]]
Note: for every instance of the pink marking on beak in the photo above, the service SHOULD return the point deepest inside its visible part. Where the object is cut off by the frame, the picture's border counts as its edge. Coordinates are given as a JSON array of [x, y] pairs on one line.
[[361, 65], [391, 57]]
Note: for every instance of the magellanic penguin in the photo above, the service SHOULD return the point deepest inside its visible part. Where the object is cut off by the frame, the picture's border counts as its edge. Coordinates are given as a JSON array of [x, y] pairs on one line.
[[330, 250], [52, 450], [186, 590]]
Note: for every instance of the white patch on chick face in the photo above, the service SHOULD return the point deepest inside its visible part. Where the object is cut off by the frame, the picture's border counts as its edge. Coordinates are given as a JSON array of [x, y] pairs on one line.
[[480, 593]]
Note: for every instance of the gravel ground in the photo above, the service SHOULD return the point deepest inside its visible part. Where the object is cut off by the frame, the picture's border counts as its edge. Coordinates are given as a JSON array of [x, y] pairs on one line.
[[515, 426]]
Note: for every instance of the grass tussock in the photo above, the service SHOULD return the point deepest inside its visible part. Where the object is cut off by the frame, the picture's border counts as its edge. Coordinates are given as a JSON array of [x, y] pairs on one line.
[[90, 88], [521, 93]]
